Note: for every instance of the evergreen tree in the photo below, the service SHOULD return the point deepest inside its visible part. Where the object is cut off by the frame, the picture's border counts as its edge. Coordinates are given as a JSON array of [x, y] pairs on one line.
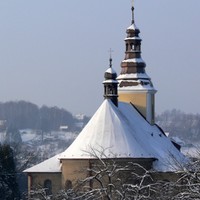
[[8, 184]]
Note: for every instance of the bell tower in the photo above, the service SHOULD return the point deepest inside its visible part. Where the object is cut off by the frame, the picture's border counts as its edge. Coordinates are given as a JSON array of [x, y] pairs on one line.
[[135, 85]]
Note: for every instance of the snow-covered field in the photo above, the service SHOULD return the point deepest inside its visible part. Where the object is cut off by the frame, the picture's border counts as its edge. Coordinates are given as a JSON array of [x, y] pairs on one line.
[[191, 150], [36, 147], [32, 135]]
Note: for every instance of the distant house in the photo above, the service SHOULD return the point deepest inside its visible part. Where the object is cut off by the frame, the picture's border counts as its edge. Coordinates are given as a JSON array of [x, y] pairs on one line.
[[80, 120], [123, 128], [64, 128]]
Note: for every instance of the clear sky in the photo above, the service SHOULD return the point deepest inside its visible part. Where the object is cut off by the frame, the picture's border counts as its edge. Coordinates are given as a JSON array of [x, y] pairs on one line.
[[55, 52]]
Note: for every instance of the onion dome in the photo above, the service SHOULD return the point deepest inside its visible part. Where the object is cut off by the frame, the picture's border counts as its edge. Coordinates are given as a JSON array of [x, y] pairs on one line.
[[110, 72]]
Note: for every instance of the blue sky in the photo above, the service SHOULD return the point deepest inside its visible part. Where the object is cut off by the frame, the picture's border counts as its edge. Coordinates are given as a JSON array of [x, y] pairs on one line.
[[55, 52]]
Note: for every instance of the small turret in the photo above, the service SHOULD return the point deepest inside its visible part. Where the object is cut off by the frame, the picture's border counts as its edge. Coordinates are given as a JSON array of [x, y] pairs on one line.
[[111, 84]]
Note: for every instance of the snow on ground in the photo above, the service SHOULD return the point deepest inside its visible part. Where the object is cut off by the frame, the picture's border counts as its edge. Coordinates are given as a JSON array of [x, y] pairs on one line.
[[2, 137], [191, 150], [37, 147], [28, 135]]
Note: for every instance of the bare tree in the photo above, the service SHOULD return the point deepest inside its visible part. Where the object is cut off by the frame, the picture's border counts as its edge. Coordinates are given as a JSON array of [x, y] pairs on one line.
[[111, 179], [39, 193], [188, 185]]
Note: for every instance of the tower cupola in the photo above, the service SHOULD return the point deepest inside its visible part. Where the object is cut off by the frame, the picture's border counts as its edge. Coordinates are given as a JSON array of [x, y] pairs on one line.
[[111, 84], [133, 63], [135, 85]]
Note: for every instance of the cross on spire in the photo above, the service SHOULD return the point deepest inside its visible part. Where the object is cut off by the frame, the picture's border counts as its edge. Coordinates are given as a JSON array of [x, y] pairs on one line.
[[110, 51], [132, 8]]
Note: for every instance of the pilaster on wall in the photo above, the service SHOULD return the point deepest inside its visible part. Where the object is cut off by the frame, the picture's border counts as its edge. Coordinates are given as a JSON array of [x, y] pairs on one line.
[[150, 108]]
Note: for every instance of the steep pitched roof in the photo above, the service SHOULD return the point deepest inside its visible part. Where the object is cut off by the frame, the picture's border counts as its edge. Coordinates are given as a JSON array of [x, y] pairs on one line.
[[118, 132], [109, 132], [169, 158], [121, 132]]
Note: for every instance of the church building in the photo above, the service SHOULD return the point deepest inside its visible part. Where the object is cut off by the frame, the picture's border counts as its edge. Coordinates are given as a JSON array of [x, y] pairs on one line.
[[123, 127]]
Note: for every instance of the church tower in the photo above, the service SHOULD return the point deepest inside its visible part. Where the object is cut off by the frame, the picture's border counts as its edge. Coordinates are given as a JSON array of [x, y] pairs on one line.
[[135, 85]]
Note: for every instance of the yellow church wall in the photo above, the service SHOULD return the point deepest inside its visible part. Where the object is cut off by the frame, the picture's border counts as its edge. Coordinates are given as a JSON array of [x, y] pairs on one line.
[[138, 99], [36, 181], [74, 170], [77, 170]]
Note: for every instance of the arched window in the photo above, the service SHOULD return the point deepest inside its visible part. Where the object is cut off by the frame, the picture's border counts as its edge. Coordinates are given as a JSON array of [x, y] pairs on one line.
[[68, 185], [110, 90], [48, 186], [132, 47]]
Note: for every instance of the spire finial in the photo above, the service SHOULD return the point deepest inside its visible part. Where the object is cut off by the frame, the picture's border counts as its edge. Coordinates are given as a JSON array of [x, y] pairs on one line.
[[110, 51], [132, 8]]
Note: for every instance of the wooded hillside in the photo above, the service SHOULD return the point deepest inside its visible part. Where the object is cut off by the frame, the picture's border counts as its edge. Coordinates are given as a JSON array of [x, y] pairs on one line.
[[26, 115]]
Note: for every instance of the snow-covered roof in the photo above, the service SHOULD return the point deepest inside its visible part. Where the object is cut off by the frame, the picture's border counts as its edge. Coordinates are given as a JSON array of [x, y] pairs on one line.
[[132, 27], [134, 60], [133, 38], [110, 81], [118, 132], [168, 156], [133, 76], [110, 70], [138, 85], [121, 132], [107, 131], [51, 165]]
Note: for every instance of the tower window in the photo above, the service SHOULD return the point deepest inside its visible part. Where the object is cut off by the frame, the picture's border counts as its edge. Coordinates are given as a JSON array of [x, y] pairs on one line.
[[126, 47], [110, 91], [132, 47], [138, 48]]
